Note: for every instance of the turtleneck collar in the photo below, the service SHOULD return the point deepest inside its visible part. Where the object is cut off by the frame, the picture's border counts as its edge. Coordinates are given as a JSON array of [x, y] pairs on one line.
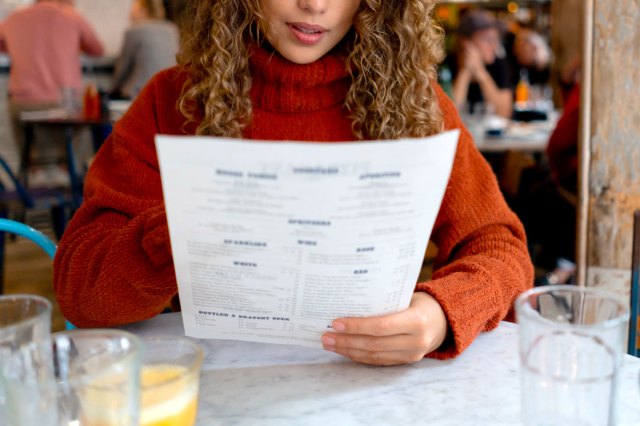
[[280, 85]]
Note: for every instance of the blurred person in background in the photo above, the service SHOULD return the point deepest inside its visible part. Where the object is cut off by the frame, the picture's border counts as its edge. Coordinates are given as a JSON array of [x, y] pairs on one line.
[[531, 54], [480, 71], [547, 199], [569, 76], [150, 45], [44, 42]]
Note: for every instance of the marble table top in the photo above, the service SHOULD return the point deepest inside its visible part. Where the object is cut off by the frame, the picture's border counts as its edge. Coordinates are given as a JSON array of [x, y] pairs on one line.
[[263, 384]]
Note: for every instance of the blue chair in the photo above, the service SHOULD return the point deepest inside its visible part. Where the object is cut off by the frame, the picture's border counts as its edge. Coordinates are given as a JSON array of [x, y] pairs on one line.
[[17, 228], [8, 225], [634, 339]]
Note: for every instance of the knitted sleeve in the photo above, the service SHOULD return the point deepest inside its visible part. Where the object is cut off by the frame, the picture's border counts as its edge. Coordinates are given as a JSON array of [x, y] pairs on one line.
[[113, 264], [482, 262]]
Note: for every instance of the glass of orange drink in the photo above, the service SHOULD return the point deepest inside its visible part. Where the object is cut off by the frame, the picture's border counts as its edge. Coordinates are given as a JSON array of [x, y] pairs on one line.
[[169, 381]]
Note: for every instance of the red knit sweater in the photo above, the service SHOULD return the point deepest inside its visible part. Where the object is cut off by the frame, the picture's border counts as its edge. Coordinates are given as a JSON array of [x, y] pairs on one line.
[[114, 264]]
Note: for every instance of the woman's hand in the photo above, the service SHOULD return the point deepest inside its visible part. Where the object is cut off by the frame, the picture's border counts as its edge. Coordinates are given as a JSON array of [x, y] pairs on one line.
[[401, 338]]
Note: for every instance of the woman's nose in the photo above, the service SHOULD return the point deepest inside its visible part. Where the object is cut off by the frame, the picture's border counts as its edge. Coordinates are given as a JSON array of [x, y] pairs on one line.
[[314, 6]]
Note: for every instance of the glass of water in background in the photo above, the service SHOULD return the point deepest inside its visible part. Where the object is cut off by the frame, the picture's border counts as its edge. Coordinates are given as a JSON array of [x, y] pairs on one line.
[[98, 377], [70, 101], [571, 346], [474, 118], [27, 384]]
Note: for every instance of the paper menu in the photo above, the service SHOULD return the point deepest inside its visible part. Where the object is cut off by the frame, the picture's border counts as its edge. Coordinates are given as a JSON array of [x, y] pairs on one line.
[[273, 240]]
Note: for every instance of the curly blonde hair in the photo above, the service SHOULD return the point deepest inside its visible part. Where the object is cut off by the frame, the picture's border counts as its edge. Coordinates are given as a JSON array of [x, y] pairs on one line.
[[392, 56]]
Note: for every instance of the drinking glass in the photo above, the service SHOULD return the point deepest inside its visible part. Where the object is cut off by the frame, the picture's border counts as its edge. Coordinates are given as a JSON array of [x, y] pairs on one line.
[[70, 101], [474, 119], [27, 385], [571, 346], [98, 374], [170, 379]]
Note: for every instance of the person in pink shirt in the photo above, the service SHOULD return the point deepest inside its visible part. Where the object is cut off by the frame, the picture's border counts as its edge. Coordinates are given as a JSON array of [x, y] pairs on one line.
[[44, 42]]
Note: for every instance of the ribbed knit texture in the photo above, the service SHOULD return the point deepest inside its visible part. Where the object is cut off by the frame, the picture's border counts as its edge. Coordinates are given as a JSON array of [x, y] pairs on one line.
[[114, 266], [298, 102]]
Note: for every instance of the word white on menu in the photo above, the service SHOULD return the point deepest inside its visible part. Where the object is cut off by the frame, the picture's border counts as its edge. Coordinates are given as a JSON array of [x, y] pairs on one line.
[[272, 241]]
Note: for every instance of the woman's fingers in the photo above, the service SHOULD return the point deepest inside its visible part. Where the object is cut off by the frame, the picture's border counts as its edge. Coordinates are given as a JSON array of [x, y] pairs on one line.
[[380, 358], [400, 338], [342, 343], [387, 325]]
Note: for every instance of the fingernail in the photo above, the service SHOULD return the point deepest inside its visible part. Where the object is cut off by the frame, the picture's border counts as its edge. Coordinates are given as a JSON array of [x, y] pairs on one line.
[[329, 348], [339, 326], [327, 340]]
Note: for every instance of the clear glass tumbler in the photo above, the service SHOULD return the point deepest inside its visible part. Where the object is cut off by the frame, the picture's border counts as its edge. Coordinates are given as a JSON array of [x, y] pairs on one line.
[[27, 385], [170, 381], [571, 346], [70, 101], [98, 374]]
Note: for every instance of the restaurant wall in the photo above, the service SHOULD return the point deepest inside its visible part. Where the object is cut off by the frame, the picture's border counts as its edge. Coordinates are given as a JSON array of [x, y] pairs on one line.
[[614, 170]]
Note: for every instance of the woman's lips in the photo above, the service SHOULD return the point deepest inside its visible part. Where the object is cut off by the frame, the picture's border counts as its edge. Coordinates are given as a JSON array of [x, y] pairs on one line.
[[307, 33]]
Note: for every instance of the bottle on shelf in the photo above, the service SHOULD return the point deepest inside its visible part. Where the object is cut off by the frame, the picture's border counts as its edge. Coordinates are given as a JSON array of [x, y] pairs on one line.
[[522, 88], [91, 103]]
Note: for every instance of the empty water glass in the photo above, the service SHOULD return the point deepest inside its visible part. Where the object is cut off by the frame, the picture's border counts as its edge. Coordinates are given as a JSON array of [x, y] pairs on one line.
[[70, 101], [98, 374], [571, 346], [27, 385]]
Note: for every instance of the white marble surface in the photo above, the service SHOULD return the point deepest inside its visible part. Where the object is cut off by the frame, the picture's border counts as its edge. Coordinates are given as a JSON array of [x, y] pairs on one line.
[[261, 384]]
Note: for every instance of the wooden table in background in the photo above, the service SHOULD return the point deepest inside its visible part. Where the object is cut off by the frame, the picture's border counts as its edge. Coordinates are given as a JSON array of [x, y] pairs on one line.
[[57, 118]]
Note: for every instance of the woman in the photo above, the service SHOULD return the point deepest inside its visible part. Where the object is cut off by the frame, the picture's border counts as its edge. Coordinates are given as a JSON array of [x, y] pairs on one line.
[[306, 70], [150, 45]]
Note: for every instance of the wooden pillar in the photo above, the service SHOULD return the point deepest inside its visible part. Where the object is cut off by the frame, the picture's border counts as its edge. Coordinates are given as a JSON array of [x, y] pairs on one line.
[[611, 153]]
